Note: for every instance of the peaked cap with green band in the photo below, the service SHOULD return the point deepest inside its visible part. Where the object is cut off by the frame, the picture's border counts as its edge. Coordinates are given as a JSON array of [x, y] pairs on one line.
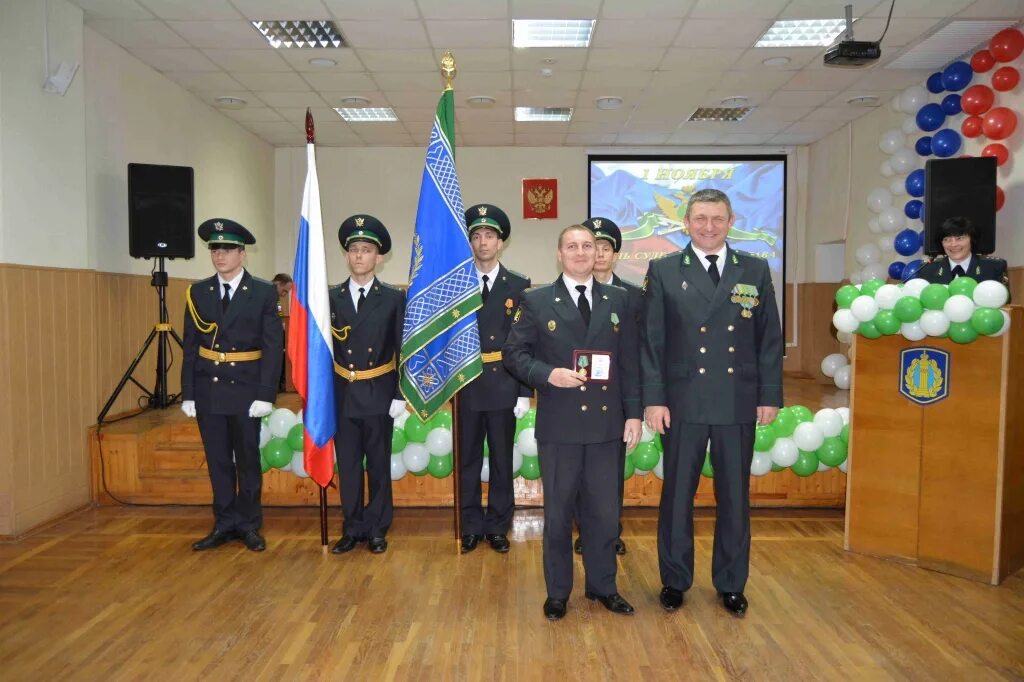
[[216, 231], [488, 215], [364, 228], [604, 228]]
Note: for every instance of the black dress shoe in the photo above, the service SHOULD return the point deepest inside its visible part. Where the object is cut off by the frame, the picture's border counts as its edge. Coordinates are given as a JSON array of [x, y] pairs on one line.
[[670, 598], [215, 539], [620, 547], [499, 543], [378, 545], [578, 545], [346, 544], [469, 543], [253, 541], [554, 609], [613, 602], [734, 602]]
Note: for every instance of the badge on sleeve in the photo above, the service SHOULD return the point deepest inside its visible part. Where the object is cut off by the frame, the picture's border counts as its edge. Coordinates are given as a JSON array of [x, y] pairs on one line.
[[519, 313]]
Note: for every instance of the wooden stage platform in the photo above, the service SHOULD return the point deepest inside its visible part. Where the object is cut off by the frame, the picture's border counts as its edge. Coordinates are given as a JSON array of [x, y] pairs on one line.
[[157, 458]]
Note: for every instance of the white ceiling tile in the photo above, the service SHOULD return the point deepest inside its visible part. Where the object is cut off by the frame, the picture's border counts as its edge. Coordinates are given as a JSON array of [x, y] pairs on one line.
[[901, 31], [795, 138], [415, 114], [841, 113], [193, 10], [486, 127], [636, 125], [554, 9], [286, 140], [496, 113], [688, 80], [204, 80], [815, 127], [568, 58], [541, 127], [481, 34], [544, 98], [321, 116], [559, 80], [841, 99], [797, 98], [220, 34], [540, 139], [919, 8], [282, 9], [418, 98], [590, 139], [720, 33], [344, 56], [891, 79], [209, 97], [693, 60], [384, 139], [476, 59], [336, 135], [693, 137], [405, 80], [616, 59], [776, 115], [176, 59], [799, 57], [253, 113], [585, 111], [633, 32], [646, 9], [488, 140], [138, 34], [400, 60], [381, 34], [609, 80], [463, 9], [827, 79], [112, 9], [743, 138], [267, 59], [272, 80], [376, 97], [677, 113], [299, 100], [595, 126], [377, 10], [345, 80], [719, 9], [271, 127], [641, 138], [748, 126], [378, 128], [753, 81], [482, 81], [816, 9], [754, 98], [992, 9]]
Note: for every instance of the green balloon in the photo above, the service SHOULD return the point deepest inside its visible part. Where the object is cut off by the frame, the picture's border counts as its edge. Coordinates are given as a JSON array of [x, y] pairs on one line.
[[871, 287], [963, 285], [441, 420], [764, 438], [845, 434], [487, 450], [398, 440], [784, 424], [846, 294], [440, 466], [277, 452], [985, 321], [887, 322], [629, 469], [707, 470], [806, 464], [832, 452], [265, 419], [962, 332], [776, 468], [295, 437], [530, 418], [802, 413], [908, 309], [530, 469], [264, 464], [934, 296], [645, 456], [415, 430], [868, 330], [661, 446]]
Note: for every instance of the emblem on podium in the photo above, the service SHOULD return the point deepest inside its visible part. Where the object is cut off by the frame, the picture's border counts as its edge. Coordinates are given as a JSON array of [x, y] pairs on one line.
[[924, 374]]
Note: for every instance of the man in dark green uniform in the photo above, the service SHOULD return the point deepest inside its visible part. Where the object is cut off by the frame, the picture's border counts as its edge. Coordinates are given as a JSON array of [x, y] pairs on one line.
[[366, 322], [230, 368], [711, 364], [575, 341], [959, 259], [490, 405]]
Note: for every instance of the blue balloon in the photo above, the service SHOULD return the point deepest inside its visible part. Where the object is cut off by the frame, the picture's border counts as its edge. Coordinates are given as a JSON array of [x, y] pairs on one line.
[[896, 269], [951, 105], [946, 143], [911, 268], [934, 83], [913, 208], [915, 183], [906, 242], [957, 76], [923, 146], [930, 117]]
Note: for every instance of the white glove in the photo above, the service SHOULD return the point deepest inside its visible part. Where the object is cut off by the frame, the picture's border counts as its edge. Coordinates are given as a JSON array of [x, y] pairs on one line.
[[522, 405], [260, 408], [397, 408], [189, 408]]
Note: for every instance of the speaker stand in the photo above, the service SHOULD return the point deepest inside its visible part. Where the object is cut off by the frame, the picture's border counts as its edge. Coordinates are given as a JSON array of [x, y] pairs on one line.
[[162, 333]]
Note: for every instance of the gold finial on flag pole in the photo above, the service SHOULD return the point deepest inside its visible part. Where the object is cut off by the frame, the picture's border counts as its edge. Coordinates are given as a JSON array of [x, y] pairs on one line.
[[448, 69]]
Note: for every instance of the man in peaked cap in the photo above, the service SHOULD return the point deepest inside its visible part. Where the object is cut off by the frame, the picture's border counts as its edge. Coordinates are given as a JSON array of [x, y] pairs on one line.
[[366, 323], [229, 377], [490, 405]]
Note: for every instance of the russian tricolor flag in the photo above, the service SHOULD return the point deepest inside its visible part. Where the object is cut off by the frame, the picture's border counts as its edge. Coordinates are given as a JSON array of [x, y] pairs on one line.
[[309, 332]]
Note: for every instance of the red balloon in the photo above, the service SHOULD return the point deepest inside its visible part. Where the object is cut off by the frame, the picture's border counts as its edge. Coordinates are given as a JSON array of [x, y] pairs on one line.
[[1000, 197], [971, 127], [982, 61], [1001, 153], [999, 123], [1005, 78], [1007, 45], [977, 99]]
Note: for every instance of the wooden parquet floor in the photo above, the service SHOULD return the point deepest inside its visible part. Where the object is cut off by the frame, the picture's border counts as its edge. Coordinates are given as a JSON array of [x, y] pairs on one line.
[[116, 594]]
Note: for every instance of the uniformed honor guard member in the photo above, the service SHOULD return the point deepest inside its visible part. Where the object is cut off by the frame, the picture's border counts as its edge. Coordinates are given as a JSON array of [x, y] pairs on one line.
[[229, 374], [366, 323], [490, 405], [608, 242], [959, 260], [575, 341], [711, 364]]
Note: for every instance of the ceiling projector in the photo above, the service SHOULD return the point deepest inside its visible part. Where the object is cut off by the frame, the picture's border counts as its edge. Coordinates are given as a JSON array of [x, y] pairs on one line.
[[850, 52]]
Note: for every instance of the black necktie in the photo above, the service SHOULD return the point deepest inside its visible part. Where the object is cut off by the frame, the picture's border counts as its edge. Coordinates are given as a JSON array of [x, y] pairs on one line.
[[958, 272], [713, 269], [226, 299], [485, 292], [362, 299], [583, 303]]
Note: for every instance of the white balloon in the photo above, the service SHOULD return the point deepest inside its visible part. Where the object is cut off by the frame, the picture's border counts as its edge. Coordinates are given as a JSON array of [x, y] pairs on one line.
[[823, 467], [896, 105], [808, 436], [991, 294], [485, 470], [875, 271], [299, 464], [849, 356], [842, 378], [958, 308], [868, 254], [831, 362], [844, 337], [646, 434], [879, 199], [886, 169], [891, 220], [298, 417], [1006, 324], [784, 452], [864, 309], [914, 287], [416, 457], [903, 161], [402, 418], [934, 322], [659, 468], [844, 412], [856, 277], [844, 465], [641, 472], [909, 126], [398, 466], [828, 422], [439, 442], [885, 245], [913, 98], [527, 443], [887, 295], [898, 187], [281, 421], [874, 227], [265, 435], [517, 459], [845, 321], [761, 463], [912, 331], [891, 141]]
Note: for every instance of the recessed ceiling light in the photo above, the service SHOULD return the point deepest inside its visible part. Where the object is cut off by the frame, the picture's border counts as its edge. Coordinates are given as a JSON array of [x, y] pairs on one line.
[[863, 101], [354, 101], [720, 114], [543, 113], [308, 34], [607, 103], [802, 33], [776, 61], [322, 62], [480, 101], [367, 114], [228, 102], [552, 32], [733, 102]]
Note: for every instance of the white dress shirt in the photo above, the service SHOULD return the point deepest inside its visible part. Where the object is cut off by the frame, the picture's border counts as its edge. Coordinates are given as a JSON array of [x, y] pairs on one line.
[[490, 277], [965, 264], [571, 285], [703, 257], [354, 288], [233, 284]]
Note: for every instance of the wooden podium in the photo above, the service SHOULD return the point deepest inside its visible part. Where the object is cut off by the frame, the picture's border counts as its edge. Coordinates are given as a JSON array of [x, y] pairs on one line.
[[940, 485]]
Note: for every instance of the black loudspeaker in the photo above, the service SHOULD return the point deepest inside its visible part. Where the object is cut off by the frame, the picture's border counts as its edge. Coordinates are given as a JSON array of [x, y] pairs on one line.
[[960, 187], [161, 211]]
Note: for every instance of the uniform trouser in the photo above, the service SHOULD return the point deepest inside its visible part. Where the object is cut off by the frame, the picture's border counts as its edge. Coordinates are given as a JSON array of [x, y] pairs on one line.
[[622, 489], [732, 447], [356, 437], [593, 473], [499, 427], [232, 446]]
